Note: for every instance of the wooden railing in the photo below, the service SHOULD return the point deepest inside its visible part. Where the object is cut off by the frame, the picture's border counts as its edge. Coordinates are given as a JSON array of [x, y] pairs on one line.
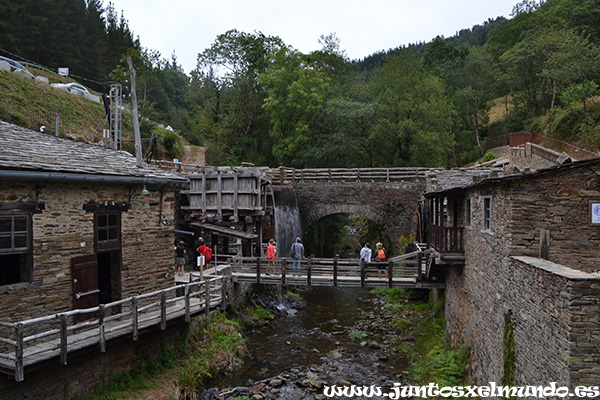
[[398, 271], [446, 239], [38, 339], [285, 174]]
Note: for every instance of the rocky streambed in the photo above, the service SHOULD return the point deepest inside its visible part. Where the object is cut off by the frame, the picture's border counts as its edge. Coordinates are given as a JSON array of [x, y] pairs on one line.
[[333, 336]]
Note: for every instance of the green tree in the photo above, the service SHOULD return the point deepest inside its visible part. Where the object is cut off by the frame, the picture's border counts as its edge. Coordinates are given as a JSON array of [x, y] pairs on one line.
[[414, 115], [574, 68], [296, 92], [472, 99]]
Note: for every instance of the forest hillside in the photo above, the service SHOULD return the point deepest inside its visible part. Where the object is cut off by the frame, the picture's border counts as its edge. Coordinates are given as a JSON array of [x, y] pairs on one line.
[[254, 98]]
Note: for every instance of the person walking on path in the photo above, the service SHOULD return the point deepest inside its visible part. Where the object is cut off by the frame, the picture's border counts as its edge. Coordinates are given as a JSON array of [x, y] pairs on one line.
[[365, 255], [271, 251], [297, 253], [180, 258]]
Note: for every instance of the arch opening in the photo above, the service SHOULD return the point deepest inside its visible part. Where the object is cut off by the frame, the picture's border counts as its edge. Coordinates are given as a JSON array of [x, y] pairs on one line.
[[344, 234]]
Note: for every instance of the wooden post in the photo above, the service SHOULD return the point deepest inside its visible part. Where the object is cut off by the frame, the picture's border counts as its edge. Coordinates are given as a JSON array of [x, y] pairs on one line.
[[235, 196], [187, 303], [203, 191], [224, 283], [283, 268], [362, 272], [63, 339], [207, 296], [258, 269], [335, 270], [201, 265], [309, 270], [134, 114], [101, 331], [134, 317], [390, 274], [419, 266], [544, 243], [19, 352], [163, 310], [219, 193]]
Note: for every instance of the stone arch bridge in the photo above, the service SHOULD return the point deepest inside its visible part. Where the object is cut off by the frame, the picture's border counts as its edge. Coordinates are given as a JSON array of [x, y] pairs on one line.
[[387, 196]]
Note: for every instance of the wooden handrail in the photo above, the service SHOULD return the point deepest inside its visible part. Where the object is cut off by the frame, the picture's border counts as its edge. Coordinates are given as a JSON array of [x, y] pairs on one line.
[[97, 327]]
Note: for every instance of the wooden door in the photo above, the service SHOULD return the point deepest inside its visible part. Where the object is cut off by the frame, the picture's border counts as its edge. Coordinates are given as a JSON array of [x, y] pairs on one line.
[[85, 284]]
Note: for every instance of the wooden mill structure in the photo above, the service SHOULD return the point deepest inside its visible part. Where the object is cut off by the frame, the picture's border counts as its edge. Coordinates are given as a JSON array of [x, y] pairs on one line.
[[225, 203]]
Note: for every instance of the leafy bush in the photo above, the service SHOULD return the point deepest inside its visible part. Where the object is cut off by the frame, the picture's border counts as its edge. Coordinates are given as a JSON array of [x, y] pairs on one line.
[[489, 156]]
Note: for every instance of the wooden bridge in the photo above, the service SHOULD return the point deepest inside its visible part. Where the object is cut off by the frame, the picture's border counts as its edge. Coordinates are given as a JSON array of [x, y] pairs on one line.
[[406, 271], [32, 341]]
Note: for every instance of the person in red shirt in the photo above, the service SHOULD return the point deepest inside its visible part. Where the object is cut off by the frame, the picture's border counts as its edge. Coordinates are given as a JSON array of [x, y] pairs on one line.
[[271, 251], [205, 251]]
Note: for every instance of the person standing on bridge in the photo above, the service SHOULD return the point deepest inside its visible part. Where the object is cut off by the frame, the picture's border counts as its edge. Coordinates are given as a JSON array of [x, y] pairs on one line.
[[381, 257], [297, 253], [365, 255], [271, 256]]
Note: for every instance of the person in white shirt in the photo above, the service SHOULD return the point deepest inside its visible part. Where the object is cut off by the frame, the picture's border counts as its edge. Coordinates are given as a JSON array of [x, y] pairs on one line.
[[365, 254]]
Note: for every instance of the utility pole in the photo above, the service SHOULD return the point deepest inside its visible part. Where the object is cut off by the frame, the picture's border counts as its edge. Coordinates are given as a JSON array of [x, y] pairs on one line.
[[136, 121]]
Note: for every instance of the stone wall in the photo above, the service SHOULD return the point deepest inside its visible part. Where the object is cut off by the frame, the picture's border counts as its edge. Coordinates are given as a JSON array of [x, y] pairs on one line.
[[64, 230], [554, 314], [554, 303], [558, 202], [474, 302], [391, 205]]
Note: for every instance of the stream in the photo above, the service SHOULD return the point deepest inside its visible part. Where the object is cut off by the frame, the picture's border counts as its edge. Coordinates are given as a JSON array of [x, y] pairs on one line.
[[335, 336]]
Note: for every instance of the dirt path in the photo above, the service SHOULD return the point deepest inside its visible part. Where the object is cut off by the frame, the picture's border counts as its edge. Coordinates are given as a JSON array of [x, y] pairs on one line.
[[195, 155]]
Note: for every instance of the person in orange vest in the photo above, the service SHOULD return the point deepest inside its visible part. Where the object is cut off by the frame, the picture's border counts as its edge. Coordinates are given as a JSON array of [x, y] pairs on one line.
[[381, 257]]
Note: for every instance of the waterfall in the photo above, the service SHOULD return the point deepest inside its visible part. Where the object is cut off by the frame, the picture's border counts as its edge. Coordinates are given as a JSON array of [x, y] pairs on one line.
[[287, 218]]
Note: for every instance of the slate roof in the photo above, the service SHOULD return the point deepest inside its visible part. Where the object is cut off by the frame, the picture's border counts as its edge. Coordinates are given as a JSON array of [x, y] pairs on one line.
[[518, 176], [23, 149]]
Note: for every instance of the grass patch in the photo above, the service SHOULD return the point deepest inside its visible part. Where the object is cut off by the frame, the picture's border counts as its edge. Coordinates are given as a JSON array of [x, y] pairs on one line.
[[434, 359], [180, 368], [391, 295], [293, 296], [357, 335]]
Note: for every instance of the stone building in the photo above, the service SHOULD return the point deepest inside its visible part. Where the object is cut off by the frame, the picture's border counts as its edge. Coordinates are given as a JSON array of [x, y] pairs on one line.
[[75, 228], [520, 255]]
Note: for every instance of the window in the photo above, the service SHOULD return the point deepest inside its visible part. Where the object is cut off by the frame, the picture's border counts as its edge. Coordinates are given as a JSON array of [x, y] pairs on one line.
[[468, 212], [108, 231], [487, 213], [15, 248]]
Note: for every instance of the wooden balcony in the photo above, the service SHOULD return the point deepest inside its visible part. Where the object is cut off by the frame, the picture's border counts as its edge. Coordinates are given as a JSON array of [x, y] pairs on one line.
[[446, 240]]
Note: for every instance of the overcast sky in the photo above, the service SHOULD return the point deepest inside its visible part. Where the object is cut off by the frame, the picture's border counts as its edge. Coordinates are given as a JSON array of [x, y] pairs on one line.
[[364, 27]]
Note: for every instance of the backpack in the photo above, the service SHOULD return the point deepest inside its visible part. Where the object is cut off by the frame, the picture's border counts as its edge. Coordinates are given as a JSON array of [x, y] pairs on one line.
[[208, 253], [381, 254]]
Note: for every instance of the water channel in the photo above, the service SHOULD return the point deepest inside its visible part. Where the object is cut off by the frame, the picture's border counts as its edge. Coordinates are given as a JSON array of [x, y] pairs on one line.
[[337, 337]]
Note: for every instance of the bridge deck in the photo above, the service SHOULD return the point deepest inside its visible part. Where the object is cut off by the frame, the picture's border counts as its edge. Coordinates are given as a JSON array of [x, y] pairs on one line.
[[406, 271], [342, 281]]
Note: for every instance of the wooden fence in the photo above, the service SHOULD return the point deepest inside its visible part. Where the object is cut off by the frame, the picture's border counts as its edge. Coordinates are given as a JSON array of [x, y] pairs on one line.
[[43, 338], [401, 271], [447, 239], [284, 174]]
